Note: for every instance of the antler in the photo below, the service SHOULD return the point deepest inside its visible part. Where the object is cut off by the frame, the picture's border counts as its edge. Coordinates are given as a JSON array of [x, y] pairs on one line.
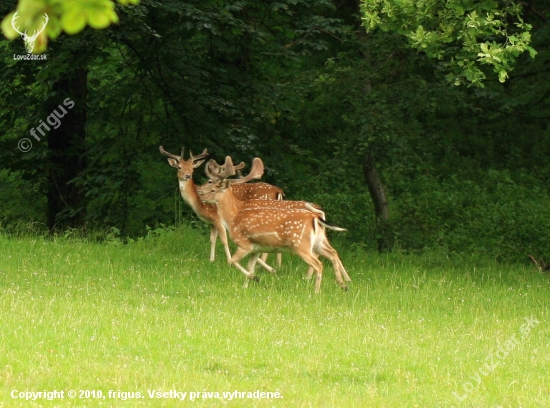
[[216, 172], [214, 176], [239, 166], [198, 157], [193, 158], [173, 156], [220, 170], [256, 172]]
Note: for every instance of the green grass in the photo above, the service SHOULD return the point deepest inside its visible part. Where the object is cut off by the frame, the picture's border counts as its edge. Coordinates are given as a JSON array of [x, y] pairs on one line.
[[156, 315]]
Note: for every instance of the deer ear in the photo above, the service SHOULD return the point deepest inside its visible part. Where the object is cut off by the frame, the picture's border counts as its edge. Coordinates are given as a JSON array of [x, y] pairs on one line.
[[173, 163]]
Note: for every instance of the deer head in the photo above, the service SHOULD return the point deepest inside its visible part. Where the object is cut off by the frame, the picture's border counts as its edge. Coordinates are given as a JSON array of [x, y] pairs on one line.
[[29, 39], [219, 177], [185, 167]]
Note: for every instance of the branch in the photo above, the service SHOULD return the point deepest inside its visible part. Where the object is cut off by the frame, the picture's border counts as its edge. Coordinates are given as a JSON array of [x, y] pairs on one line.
[[59, 191], [514, 114], [311, 30]]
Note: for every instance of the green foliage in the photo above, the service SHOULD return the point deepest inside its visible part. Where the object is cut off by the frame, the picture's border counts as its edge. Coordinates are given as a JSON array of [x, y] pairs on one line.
[[19, 199], [463, 35], [300, 84], [69, 16], [490, 214]]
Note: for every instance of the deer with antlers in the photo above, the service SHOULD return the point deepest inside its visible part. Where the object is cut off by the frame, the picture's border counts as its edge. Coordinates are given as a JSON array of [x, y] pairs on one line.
[[254, 198], [208, 212], [271, 228]]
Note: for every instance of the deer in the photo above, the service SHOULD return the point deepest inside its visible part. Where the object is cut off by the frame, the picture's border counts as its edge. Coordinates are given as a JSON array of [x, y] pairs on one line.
[[246, 192], [254, 194], [271, 229], [254, 198], [29, 39], [208, 212]]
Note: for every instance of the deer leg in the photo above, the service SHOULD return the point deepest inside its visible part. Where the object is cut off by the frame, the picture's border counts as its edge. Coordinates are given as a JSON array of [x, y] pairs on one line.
[[251, 266], [344, 272], [279, 259], [213, 238], [310, 270], [341, 266], [261, 261], [323, 248], [237, 256], [220, 229], [266, 266], [313, 261]]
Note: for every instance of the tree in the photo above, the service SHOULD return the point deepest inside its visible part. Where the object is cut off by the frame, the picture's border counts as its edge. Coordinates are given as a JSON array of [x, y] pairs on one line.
[[463, 35]]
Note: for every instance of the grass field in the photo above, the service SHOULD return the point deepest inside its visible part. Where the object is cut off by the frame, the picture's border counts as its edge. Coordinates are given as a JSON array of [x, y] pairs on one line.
[[154, 316]]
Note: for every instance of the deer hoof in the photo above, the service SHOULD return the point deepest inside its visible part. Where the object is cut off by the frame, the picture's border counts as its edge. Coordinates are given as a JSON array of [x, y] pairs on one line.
[[254, 278]]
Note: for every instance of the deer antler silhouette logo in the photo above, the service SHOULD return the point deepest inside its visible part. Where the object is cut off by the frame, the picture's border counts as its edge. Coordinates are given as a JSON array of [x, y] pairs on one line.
[[29, 39]]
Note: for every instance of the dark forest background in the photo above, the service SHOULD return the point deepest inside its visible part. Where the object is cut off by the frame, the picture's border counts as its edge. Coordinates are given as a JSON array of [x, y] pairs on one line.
[[331, 109]]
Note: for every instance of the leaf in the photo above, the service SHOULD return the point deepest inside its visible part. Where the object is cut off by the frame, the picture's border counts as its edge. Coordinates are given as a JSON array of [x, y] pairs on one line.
[[7, 28], [101, 19], [73, 21]]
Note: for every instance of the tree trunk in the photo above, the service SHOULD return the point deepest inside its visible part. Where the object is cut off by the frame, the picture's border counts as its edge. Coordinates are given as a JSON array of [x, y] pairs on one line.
[[378, 195], [66, 150]]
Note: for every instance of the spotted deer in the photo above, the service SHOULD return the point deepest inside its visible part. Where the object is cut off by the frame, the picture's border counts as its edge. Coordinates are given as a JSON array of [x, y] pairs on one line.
[[206, 212], [254, 198], [270, 229]]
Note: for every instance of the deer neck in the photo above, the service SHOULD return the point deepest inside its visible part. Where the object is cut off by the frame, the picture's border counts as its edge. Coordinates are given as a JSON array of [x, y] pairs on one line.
[[189, 194], [229, 207]]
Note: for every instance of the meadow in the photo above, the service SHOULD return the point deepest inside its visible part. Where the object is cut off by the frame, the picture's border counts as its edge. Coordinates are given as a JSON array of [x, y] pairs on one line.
[[153, 316]]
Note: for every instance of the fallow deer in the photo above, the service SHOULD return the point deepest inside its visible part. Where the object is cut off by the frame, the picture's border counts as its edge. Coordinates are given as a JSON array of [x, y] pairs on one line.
[[269, 229], [259, 195], [208, 212]]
